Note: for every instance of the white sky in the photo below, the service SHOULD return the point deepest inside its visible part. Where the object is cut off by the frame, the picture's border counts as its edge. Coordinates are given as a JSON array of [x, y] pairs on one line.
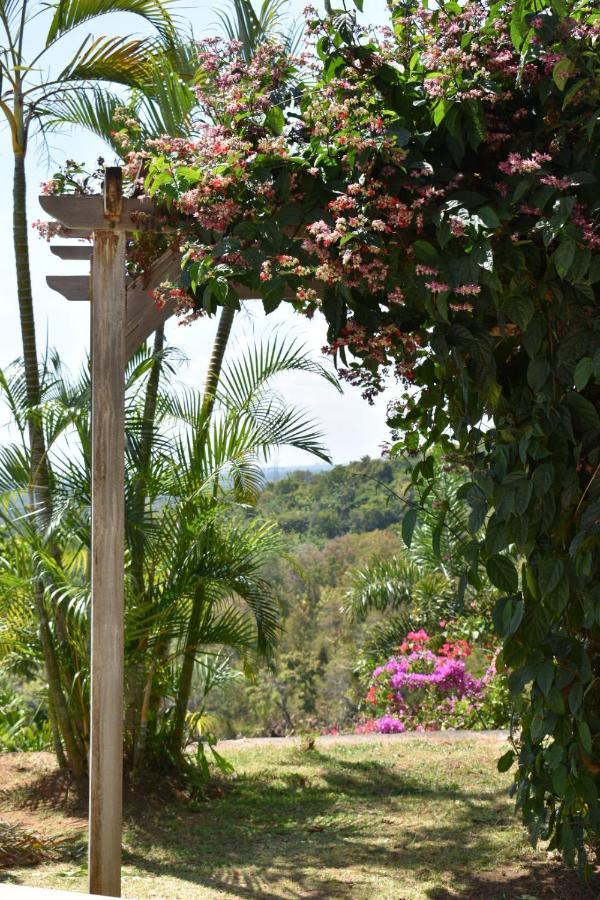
[[352, 428]]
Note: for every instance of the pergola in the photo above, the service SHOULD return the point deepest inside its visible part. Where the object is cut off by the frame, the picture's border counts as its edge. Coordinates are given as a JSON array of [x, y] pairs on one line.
[[122, 317]]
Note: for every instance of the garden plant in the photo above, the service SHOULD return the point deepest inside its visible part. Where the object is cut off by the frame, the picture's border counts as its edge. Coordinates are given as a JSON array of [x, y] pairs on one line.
[[432, 188]]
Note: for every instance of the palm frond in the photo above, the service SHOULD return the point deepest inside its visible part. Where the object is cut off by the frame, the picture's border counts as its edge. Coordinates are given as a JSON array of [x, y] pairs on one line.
[[68, 14], [242, 379], [383, 585], [242, 22], [93, 109], [121, 60], [167, 101]]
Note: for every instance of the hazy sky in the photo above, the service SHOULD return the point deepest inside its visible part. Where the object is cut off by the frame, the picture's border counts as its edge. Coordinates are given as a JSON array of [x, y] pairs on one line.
[[352, 428]]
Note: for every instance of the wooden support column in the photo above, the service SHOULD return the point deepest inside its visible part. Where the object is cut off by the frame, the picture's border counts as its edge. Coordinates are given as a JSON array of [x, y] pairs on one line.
[[108, 526]]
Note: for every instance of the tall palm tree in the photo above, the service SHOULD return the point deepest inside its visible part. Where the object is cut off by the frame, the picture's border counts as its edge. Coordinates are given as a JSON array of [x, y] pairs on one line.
[[30, 90], [166, 107]]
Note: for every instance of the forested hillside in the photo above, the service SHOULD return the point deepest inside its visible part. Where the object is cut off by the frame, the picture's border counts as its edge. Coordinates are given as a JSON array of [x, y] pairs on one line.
[[340, 519], [354, 498]]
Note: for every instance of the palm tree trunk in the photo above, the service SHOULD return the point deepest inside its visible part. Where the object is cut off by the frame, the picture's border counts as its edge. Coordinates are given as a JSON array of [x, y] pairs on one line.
[[214, 367], [40, 473], [74, 753], [184, 687], [40, 476], [56, 738]]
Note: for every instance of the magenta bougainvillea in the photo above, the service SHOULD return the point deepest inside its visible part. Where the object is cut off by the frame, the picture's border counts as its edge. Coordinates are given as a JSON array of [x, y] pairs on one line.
[[426, 686]]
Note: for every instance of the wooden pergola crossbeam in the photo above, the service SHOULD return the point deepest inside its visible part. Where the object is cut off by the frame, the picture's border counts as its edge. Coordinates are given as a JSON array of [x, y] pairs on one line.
[[72, 251], [143, 316], [76, 288], [86, 212]]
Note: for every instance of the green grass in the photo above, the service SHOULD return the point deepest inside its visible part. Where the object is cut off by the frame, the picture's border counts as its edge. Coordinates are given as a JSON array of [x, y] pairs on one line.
[[404, 819]]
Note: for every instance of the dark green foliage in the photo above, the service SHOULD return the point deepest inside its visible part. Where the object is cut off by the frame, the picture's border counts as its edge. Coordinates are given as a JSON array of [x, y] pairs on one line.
[[356, 498], [313, 682]]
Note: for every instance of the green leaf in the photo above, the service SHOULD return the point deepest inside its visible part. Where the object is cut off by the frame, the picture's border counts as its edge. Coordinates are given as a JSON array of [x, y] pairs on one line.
[[425, 252], [502, 572], [275, 119], [559, 780], [585, 736], [564, 255], [507, 615], [441, 110], [576, 697], [521, 310], [506, 761], [585, 412], [583, 372], [408, 525], [545, 676], [554, 755], [518, 28], [538, 372], [562, 71], [489, 217], [549, 574], [543, 478], [594, 272], [477, 515]]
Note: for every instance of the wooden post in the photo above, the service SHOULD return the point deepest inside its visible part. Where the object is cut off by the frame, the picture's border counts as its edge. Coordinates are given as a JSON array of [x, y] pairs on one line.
[[108, 525]]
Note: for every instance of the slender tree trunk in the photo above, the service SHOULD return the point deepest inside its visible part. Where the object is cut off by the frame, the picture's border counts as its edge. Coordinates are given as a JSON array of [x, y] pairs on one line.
[[136, 678], [75, 755], [140, 744], [215, 365], [140, 492], [56, 738], [211, 385], [40, 476], [184, 688], [40, 473]]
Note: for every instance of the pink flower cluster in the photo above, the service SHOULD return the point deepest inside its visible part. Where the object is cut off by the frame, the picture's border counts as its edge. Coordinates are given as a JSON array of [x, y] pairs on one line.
[[422, 689]]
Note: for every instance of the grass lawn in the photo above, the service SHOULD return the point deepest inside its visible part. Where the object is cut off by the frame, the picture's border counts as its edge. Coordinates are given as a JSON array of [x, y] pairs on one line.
[[384, 818]]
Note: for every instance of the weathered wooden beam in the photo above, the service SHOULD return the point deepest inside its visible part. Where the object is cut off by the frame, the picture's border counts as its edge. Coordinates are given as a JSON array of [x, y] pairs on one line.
[[143, 315], [73, 287], [72, 251], [108, 558], [86, 213]]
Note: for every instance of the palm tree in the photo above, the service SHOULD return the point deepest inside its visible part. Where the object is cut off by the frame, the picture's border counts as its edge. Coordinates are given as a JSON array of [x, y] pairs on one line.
[[426, 581], [29, 94], [166, 107], [201, 585]]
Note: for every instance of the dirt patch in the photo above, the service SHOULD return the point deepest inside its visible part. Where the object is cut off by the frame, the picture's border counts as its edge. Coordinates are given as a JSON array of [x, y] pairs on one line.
[[42, 817], [537, 882]]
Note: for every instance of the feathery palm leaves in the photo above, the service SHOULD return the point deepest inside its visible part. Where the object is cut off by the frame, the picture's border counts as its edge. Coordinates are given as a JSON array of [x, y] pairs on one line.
[[202, 586]]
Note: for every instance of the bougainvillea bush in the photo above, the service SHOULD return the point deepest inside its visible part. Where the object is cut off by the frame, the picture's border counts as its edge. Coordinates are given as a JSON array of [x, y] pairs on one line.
[[433, 189], [429, 685]]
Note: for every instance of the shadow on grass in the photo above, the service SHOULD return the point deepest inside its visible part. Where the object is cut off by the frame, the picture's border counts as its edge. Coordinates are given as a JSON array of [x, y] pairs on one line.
[[277, 835]]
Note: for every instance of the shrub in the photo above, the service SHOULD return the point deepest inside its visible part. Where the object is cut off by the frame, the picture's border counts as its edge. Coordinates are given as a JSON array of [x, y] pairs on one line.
[[425, 689]]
